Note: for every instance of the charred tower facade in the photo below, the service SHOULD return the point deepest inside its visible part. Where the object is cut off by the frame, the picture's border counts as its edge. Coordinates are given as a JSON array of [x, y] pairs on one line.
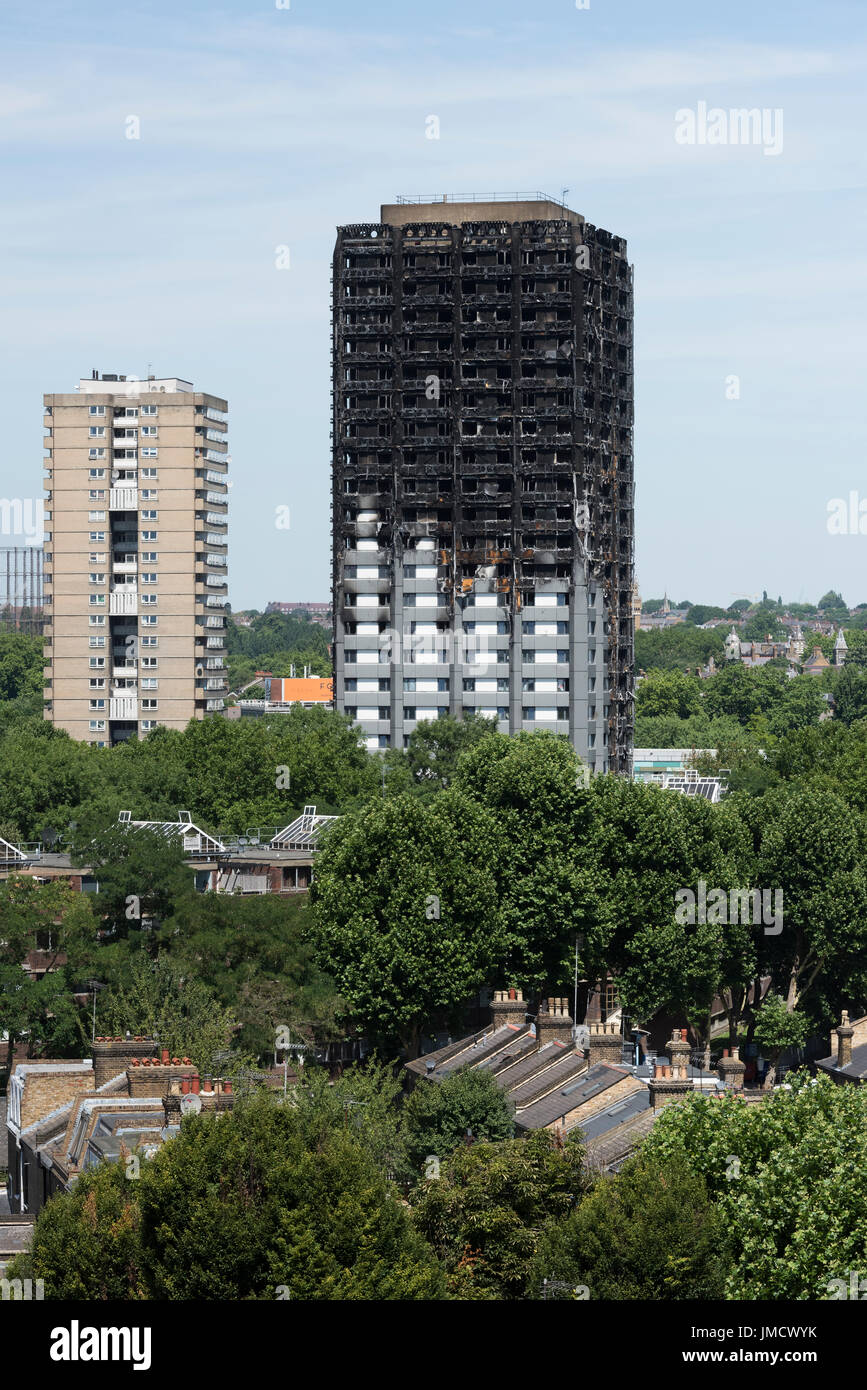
[[482, 518]]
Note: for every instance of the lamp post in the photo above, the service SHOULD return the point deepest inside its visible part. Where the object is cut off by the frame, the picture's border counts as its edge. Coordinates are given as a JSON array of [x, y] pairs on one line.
[[94, 986]]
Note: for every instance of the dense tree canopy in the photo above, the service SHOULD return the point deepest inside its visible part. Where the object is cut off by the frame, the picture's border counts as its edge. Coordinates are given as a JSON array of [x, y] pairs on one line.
[[407, 918], [786, 1177], [651, 1232]]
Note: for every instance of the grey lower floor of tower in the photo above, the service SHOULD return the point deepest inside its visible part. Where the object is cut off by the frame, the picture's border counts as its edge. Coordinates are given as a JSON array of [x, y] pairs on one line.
[[541, 666]]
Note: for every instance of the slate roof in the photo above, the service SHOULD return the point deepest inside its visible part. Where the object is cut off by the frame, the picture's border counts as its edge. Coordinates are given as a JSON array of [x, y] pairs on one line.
[[574, 1093], [470, 1049], [856, 1069], [561, 1073], [610, 1150], [621, 1111], [532, 1065]]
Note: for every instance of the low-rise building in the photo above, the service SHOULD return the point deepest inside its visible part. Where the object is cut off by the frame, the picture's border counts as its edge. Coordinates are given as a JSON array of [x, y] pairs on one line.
[[570, 1080], [282, 692], [655, 764], [65, 1116], [281, 863], [848, 1062]]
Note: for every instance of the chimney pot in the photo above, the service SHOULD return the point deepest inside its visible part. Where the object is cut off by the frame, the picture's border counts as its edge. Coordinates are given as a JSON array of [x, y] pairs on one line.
[[185, 1085], [513, 994]]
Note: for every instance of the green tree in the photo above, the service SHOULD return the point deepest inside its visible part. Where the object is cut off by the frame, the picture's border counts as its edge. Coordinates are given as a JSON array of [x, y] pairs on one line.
[[786, 1175], [21, 666], [159, 998], [485, 1212], [39, 1007], [650, 845], [776, 1029], [241, 1206], [142, 875], [812, 854], [679, 648], [438, 1117], [850, 694], [703, 613], [764, 623], [668, 693], [253, 953], [650, 1232], [87, 1242], [435, 746], [832, 605], [406, 914], [363, 1102], [538, 792]]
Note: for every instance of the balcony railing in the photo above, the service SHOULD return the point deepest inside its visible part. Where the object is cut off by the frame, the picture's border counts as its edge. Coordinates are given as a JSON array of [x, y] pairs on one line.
[[123, 499], [123, 600], [123, 707]]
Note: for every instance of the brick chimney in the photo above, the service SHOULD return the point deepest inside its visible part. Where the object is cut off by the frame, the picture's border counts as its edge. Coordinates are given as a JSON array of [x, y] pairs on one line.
[[671, 1081], [554, 1021], [731, 1070], [844, 1041], [678, 1049], [111, 1056], [508, 1006], [606, 1043], [158, 1078]]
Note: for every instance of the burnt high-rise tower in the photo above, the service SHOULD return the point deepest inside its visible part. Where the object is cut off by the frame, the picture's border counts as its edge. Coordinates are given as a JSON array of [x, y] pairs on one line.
[[483, 476]]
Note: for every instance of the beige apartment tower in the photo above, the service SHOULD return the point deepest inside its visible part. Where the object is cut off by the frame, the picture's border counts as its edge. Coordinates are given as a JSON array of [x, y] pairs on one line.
[[135, 556]]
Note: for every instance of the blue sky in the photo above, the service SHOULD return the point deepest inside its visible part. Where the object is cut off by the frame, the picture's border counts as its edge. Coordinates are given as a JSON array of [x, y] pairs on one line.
[[263, 127]]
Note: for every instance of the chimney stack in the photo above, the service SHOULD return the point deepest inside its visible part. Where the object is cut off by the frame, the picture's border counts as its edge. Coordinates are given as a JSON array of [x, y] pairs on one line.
[[554, 1022], [670, 1083], [606, 1043], [731, 1070], [508, 1006], [678, 1048], [844, 1040]]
